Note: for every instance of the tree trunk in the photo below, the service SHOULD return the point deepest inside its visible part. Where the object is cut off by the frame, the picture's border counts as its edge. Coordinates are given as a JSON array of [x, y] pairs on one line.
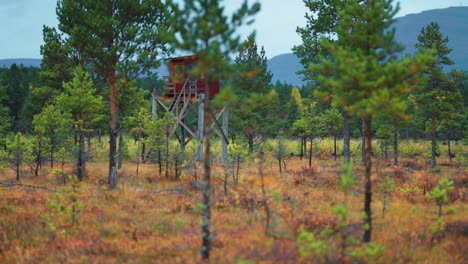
[[206, 214], [18, 170], [395, 145], [38, 157], [363, 139], [89, 143], [52, 153], [119, 153], [138, 158], [449, 150], [166, 159], [302, 148], [279, 165], [112, 132], [143, 150], [238, 169], [334, 148], [367, 182], [18, 158], [433, 141], [182, 136], [251, 144], [346, 139], [310, 152], [305, 144], [264, 196], [160, 161], [81, 163]]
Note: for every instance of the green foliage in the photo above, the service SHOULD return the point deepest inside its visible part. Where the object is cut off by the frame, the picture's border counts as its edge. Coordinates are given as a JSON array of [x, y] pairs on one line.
[[369, 251], [308, 242], [16, 101], [437, 99], [280, 151], [439, 193], [347, 179], [386, 187], [384, 130], [80, 100], [307, 124], [64, 207], [330, 123], [322, 20], [250, 113], [428, 151], [5, 118], [17, 152], [53, 126]]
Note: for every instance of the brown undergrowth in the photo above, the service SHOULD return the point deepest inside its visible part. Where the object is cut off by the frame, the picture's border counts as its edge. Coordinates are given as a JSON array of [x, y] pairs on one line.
[[151, 219]]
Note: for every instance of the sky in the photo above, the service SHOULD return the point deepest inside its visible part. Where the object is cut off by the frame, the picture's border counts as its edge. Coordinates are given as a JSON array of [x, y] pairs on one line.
[[21, 23]]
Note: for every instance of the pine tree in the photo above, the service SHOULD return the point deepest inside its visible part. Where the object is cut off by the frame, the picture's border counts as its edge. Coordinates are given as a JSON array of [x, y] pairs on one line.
[[54, 125], [330, 123], [431, 99], [58, 61], [205, 31], [5, 118], [250, 82], [365, 74], [80, 100], [322, 23]]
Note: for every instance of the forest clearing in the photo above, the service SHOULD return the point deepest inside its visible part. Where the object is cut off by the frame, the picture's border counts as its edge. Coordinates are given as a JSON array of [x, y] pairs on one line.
[[151, 218]]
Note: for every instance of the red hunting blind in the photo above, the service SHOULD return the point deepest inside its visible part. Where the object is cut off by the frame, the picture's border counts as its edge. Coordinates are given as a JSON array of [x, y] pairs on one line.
[[184, 93], [180, 80]]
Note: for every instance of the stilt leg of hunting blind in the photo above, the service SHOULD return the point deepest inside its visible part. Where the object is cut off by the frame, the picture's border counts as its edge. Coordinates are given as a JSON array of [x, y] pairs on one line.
[[225, 132], [201, 123], [154, 110], [182, 136]]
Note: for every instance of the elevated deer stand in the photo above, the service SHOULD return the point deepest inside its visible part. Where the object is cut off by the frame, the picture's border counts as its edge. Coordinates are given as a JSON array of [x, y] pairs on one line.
[[184, 94]]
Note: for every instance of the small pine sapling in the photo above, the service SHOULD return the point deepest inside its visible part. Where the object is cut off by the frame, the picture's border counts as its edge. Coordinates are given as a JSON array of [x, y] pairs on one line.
[[439, 193], [387, 188], [347, 182]]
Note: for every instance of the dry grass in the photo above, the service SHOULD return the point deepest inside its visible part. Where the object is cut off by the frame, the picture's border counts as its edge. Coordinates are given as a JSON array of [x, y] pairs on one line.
[[153, 219]]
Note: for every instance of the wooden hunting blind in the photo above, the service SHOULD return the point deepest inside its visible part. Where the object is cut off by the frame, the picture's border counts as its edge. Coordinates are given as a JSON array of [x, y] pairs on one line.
[[184, 93], [180, 79]]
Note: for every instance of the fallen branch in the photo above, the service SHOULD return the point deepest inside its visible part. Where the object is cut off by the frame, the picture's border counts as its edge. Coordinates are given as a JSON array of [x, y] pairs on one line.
[[11, 184]]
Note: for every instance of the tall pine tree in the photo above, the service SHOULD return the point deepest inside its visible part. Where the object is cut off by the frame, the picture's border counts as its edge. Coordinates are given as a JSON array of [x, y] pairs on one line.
[[365, 74], [432, 98], [251, 81]]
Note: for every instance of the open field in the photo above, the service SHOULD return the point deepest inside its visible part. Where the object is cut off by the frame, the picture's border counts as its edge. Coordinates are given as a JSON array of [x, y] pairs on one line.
[[152, 219]]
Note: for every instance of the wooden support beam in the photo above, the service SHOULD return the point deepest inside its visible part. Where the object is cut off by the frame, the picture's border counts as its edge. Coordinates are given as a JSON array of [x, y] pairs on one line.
[[161, 103]]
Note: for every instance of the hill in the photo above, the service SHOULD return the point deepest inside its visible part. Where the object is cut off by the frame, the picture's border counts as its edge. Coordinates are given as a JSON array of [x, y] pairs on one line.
[[284, 68], [452, 22]]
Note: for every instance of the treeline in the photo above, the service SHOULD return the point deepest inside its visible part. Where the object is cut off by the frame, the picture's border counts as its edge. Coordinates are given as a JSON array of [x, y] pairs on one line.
[[290, 111]]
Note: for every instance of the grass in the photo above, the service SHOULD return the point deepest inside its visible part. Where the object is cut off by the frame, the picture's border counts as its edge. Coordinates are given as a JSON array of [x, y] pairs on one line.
[[153, 219]]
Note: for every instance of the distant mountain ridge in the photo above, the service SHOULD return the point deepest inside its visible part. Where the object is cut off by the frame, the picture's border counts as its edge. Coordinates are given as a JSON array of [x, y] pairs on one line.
[[6, 63], [453, 23]]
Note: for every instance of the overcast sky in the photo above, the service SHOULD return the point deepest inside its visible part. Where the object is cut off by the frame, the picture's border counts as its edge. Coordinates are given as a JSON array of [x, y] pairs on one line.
[[21, 23]]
